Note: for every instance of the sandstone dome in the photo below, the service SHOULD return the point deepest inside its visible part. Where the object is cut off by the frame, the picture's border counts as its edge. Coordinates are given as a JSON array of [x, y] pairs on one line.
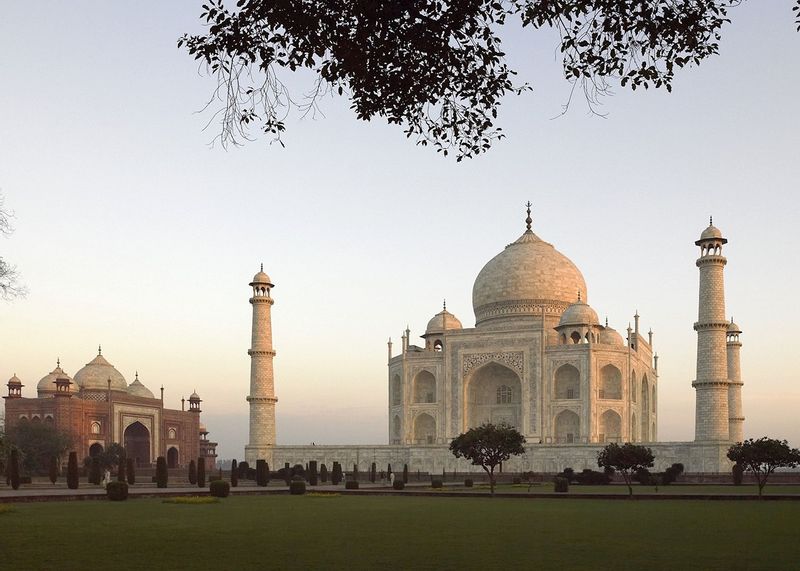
[[579, 313], [609, 336], [95, 374], [48, 383], [528, 275], [261, 278], [733, 328], [441, 322]]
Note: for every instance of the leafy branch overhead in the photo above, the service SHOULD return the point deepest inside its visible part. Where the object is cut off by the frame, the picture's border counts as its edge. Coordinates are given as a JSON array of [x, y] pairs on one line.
[[434, 67]]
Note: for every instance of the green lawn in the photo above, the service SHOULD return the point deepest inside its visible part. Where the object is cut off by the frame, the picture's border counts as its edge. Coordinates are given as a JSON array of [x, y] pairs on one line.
[[704, 489], [346, 532]]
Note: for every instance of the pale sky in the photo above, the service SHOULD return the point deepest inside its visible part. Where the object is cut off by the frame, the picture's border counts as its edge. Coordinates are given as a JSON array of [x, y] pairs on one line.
[[133, 233]]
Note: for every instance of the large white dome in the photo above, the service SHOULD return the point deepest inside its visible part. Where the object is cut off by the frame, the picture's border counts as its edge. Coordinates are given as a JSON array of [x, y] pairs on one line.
[[522, 279], [96, 373]]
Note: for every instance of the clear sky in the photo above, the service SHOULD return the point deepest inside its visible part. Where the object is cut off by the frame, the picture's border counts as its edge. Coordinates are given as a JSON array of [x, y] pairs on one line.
[[132, 232]]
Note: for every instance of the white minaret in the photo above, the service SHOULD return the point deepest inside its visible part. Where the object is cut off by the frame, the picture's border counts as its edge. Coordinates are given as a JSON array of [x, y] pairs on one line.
[[262, 383], [711, 383], [736, 416]]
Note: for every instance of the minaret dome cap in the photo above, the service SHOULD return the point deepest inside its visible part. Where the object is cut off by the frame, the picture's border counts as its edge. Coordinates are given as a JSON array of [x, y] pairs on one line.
[[711, 233], [262, 279]]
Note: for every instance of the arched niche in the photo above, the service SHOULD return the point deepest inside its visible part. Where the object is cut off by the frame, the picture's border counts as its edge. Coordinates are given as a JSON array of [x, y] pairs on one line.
[[644, 434], [424, 429], [567, 427], [396, 390], [137, 443], [567, 382], [610, 383], [481, 396], [396, 434], [610, 429], [424, 387]]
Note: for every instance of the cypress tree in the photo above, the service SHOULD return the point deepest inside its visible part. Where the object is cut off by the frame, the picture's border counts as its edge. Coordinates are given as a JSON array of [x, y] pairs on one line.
[[323, 474], [201, 472], [243, 468], [192, 472], [372, 472], [261, 476], [121, 467], [389, 472], [94, 471], [53, 470], [355, 472], [266, 472], [13, 469], [234, 474], [336, 474], [162, 476], [312, 472], [72, 471], [405, 473], [131, 471]]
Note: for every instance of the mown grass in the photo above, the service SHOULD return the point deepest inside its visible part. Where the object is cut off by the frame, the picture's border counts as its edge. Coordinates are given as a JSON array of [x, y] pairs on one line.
[[297, 532], [694, 489]]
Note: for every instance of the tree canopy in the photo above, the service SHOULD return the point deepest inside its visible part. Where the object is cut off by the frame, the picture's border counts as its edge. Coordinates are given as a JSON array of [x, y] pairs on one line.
[[38, 443], [763, 456], [9, 277], [488, 445], [625, 459], [435, 67]]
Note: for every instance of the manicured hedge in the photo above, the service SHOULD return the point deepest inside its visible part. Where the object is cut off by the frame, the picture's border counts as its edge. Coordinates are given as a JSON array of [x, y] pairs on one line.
[[220, 488], [398, 485], [117, 491], [351, 485], [297, 487]]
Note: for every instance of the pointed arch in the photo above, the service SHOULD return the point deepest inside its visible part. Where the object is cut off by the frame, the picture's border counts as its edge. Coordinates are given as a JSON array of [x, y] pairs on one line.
[[634, 386], [424, 387], [610, 383], [644, 434], [632, 435], [481, 392], [610, 427], [567, 382], [424, 429], [567, 427], [396, 426], [396, 390]]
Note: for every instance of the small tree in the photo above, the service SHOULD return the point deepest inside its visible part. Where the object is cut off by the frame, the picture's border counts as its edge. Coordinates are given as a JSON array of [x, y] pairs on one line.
[[763, 456], [53, 472], [162, 476], [372, 472], [201, 472], [355, 472], [312, 473], [13, 468], [389, 472], [336, 475], [405, 473], [323, 473], [192, 472], [261, 473], [487, 446], [72, 471], [626, 459], [234, 474], [131, 471], [95, 471]]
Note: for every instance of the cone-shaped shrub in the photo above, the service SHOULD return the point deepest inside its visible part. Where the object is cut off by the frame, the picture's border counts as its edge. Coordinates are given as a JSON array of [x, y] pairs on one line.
[[389, 472], [405, 473], [262, 478], [398, 485], [355, 472], [72, 471], [130, 468], [372, 472], [312, 472], [336, 475], [297, 488], [162, 476], [234, 474], [201, 472], [13, 469], [323, 474], [94, 471], [192, 472], [121, 467], [243, 468], [53, 472]]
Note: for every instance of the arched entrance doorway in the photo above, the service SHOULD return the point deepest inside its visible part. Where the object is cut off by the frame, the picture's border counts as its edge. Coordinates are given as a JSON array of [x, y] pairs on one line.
[[172, 457], [494, 394], [424, 429], [95, 449], [137, 443]]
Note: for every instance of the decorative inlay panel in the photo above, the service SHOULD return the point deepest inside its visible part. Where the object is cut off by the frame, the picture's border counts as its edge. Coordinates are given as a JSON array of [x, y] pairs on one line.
[[513, 360]]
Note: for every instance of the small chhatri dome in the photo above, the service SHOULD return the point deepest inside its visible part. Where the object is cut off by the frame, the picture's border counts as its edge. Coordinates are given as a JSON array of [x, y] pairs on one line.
[[441, 322], [711, 233], [48, 383], [261, 278], [733, 328], [579, 313], [15, 380], [137, 389], [94, 376], [609, 336], [194, 396], [518, 281]]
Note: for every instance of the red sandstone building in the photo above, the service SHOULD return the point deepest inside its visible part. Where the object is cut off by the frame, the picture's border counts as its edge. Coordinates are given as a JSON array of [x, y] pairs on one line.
[[98, 407]]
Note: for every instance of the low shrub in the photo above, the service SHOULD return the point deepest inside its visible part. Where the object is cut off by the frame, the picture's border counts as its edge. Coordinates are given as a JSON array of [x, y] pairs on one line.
[[117, 491], [24, 479], [220, 488], [516, 480], [351, 485], [297, 487], [398, 484], [593, 478], [569, 474], [6, 509], [436, 483], [737, 472], [561, 484], [468, 483], [643, 476]]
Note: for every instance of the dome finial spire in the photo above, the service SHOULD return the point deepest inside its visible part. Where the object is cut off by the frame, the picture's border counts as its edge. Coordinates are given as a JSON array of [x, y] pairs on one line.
[[99, 350], [262, 266], [58, 361], [528, 220], [710, 220], [444, 304], [579, 295]]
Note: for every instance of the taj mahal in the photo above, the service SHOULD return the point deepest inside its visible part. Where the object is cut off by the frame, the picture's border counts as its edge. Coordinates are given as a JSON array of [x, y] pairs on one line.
[[539, 359]]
